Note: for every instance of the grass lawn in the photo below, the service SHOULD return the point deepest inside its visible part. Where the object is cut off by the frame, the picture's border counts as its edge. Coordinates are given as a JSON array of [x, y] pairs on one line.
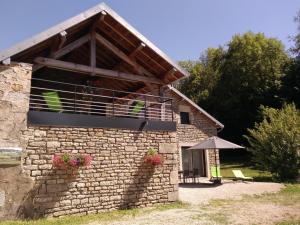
[[241, 163], [258, 175], [104, 217]]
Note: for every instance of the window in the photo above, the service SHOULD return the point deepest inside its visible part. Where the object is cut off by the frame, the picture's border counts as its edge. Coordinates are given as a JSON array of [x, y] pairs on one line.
[[184, 118]]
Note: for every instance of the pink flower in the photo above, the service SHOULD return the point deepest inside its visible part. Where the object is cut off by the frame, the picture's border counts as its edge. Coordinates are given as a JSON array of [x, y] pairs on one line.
[[57, 161], [87, 160], [154, 160], [73, 163]]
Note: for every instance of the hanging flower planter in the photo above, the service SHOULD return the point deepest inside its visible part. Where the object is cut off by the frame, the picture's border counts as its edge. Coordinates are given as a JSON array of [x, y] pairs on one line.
[[153, 158], [71, 162]]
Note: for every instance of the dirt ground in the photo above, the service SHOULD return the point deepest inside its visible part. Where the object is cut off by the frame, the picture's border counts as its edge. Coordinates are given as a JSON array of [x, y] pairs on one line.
[[233, 209], [202, 193]]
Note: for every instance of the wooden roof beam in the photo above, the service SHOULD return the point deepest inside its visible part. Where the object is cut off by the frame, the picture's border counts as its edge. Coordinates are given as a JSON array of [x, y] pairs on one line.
[[114, 49], [68, 66], [123, 56], [65, 50], [169, 73], [131, 56], [131, 43]]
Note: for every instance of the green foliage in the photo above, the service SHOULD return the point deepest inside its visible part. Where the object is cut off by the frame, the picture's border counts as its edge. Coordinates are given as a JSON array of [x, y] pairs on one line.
[[231, 83], [291, 83], [275, 142], [152, 151], [205, 75], [65, 157], [296, 49]]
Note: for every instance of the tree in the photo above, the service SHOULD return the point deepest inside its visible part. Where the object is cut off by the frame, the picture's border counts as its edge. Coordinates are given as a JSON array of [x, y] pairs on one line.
[[204, 76], [296, 49], [251, 76], [291, 82], [231, 83], [275, 142]]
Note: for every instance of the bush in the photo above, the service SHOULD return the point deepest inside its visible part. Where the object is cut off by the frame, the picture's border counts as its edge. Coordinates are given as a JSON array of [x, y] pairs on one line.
[[275, 142]]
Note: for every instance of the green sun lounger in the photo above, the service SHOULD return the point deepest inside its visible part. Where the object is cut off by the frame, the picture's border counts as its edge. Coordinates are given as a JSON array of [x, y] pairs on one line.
[[240, 176], [53, 101], [139, 105]]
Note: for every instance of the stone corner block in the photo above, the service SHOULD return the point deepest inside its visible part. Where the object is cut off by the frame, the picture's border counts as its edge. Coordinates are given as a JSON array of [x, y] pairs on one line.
[[167, 148], [173, 196], [174, 177]]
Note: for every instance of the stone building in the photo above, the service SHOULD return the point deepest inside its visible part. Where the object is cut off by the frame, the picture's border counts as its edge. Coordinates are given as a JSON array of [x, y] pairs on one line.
[[94, 85]]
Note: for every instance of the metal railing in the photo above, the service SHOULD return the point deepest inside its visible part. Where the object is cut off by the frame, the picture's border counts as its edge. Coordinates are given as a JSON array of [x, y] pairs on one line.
[[61, 97]]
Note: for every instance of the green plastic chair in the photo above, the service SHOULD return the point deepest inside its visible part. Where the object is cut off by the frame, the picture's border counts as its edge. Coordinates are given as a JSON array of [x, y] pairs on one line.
[[53, 101], [137, 108], [240, 176], [215, 172]]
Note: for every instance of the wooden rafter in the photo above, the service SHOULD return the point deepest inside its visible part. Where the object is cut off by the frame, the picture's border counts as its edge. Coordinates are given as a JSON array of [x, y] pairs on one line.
[[131, 43], [58, 64], [59, 41], [131, 55], [123, 56], [169, 73], [65, 50]]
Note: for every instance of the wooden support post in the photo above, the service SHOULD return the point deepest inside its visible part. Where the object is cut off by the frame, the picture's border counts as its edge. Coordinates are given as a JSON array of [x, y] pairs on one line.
[[93, 51], [163, 104]]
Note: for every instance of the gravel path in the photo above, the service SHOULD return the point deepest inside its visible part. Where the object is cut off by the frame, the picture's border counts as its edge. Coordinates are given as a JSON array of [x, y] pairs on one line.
[[203, 193], [200, 213]]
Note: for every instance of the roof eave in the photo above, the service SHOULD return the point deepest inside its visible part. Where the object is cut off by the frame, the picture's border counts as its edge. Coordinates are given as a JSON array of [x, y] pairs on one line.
[[216, 122], [9, 52]]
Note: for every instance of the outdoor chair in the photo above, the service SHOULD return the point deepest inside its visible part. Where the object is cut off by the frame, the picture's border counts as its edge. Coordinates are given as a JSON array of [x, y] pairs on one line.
[[196, 174], [240, 176], [186, 175], [215, 173], [137, 108], [53, 101]]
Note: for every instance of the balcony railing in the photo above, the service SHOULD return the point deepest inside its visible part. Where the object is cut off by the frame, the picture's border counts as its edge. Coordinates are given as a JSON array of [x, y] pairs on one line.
[[67, 98]]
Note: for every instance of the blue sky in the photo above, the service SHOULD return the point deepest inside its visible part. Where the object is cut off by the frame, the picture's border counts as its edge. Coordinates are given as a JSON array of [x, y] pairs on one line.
[[182, 29]]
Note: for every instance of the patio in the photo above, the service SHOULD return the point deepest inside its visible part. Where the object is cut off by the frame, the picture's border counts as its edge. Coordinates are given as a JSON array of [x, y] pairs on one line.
[[204, 192]]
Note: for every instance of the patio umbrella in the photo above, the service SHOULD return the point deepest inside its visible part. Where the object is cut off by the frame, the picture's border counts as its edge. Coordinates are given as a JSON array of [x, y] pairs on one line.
[[215, 143]]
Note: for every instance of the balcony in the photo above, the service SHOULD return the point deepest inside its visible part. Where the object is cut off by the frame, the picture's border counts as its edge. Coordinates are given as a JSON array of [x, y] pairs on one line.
[[54, 103]]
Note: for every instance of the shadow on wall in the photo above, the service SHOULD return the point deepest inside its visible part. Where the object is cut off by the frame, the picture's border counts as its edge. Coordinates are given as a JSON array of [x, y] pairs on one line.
[[44, 196], [23, 198], [14, 186], [135, 191]]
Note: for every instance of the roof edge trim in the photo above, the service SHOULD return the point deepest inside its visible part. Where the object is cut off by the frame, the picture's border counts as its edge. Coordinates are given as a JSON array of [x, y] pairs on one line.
[[196, 106]]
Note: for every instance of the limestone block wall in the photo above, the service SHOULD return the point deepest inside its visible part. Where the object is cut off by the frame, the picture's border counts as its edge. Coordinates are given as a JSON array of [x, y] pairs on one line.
[[14, 98], [14, 103], [200, 128], [118, 177]]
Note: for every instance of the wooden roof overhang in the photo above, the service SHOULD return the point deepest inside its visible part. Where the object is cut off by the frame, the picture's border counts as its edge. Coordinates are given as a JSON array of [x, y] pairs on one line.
[[99, 42]]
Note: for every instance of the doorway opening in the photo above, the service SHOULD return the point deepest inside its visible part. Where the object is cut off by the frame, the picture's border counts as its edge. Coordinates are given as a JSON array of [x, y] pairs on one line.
[[193, 161]]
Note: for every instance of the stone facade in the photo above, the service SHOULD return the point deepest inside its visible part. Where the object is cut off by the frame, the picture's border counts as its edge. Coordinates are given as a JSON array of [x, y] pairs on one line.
[[117, 178], [14, 97], [200, 128]]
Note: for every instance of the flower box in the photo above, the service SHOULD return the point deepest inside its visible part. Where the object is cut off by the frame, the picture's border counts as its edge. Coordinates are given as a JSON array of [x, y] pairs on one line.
[[153, 158], [71, 162]]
